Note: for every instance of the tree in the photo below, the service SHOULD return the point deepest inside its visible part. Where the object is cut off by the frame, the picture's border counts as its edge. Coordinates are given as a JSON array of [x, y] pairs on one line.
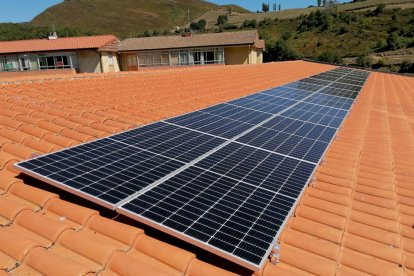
[[280, 7], [394, 42], [146, 34], [279, 51], [265, 7], [193, 26], [380, 9], [202, 23], [364, 60], [250, 23], [222, 19], [407, 67], [330, 57], [274, 6], [198, 26], [319, 3]]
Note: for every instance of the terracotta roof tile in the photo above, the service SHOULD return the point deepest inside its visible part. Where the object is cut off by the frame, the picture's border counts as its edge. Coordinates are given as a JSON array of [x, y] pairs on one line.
[[40, 261], [59, 44], [71, 214], [356, 217], [196, 40]]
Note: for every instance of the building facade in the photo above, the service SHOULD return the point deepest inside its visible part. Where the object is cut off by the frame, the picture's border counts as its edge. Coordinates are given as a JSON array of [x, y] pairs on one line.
[[88, 54], [195, 49]]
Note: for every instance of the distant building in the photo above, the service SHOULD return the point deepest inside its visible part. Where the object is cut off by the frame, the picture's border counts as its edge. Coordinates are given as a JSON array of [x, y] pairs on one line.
[[90, 54], [243, 47]]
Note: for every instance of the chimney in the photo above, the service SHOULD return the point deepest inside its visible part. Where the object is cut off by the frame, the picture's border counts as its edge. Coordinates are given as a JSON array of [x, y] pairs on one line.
[[188, 34], [53, 36]]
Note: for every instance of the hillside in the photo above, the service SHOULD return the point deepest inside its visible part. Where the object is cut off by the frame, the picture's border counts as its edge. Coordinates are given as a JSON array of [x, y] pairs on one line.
[[122, 17], [381, 38], [237, 18]]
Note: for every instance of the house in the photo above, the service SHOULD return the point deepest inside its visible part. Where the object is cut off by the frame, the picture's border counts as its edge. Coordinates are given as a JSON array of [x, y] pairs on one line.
[[85, 54], [355, 218], [228, 48]]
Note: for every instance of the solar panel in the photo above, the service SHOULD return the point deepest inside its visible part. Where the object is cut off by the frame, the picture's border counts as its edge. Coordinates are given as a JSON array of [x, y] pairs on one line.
[[110, 170], [217, 211], [225, 177]]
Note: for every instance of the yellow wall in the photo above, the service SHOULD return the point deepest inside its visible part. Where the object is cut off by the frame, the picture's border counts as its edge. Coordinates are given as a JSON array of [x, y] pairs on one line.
[[236, 55], [105, 63], [89, 62], [242, 55]]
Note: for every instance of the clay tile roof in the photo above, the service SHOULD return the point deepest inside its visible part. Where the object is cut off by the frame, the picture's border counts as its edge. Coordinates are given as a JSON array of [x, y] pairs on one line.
[[59, 44], [196, 40], [355, 218]]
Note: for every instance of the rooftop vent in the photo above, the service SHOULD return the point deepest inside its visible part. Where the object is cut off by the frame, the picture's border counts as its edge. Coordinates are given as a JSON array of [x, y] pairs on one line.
[[188, 34], [53, 36]]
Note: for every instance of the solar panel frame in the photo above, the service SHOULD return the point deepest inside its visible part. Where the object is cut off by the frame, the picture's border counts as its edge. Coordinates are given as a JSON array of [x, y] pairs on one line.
[[217, 251], [224, 254]]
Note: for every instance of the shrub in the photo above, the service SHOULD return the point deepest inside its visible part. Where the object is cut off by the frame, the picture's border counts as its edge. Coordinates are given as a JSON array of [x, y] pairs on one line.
[[394, 42], [279, 51], [380, 9], [250, 23], [330, 57], [222, 19], [407, 67], [230, 27], [364, 60]]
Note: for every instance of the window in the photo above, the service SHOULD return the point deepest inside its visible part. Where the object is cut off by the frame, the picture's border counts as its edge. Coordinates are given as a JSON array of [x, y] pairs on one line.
[[132, 60], [153, 58], [38, 61], [184, 57], [110, 59]]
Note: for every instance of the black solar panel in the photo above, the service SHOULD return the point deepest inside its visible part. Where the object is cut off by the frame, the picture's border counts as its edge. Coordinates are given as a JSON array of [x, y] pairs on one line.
[[112, 169], [224, 177], [228, 215]]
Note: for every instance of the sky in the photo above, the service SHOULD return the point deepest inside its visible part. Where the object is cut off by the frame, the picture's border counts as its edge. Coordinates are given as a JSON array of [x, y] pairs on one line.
[[25, 10]]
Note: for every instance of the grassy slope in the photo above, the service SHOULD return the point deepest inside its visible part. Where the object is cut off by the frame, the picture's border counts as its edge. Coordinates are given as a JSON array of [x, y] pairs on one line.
[[122, 17], [293, 13], [361, 36]]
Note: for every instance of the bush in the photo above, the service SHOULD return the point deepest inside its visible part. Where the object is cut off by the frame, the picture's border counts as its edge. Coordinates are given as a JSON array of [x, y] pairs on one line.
[[380, 64], [380, 9], [222, 19], [230, 27], [364, 60], [250, 23], [279, 51], [286, 35], [407, 67], [198, 26], [342, 30], [394, 42], [330, 57]]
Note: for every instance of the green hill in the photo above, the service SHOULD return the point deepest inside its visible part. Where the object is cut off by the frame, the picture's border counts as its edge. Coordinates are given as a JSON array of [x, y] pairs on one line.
[[237, 17], [122, 17]]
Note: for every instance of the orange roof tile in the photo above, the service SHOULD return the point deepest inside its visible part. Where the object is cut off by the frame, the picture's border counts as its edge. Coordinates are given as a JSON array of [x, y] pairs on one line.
[[356, 217], [59, 44]]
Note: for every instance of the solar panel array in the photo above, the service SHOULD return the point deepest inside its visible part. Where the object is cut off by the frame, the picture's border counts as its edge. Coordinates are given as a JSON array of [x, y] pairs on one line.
[[224, 177]]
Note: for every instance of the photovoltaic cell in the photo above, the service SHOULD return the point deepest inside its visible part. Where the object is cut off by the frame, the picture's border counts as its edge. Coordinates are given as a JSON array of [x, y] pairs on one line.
[[228, 215], [317, 114], [112, 169], [286, 92], [211, 124], [225, 177], [331, 101], [106, 170]]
